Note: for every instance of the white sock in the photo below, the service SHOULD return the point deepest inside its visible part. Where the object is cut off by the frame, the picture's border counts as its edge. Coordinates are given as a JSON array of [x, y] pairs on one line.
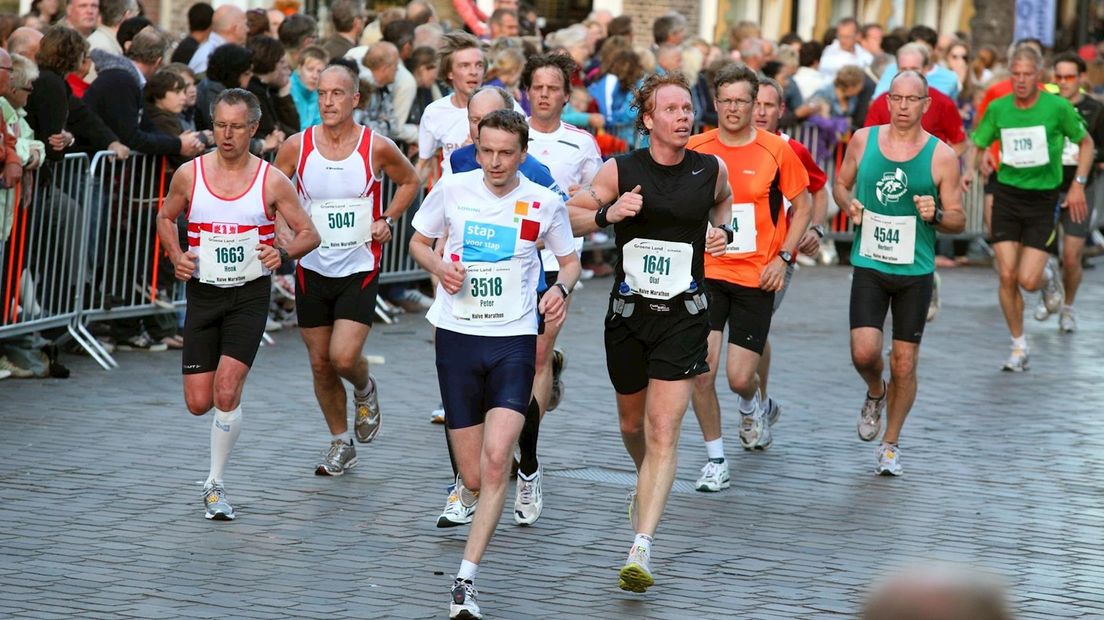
[[225, 429], [748, 405], [644, 542], [467, 570], [1066, 308], [1020, 343], [368, 389], [715, 448], [345, 437]]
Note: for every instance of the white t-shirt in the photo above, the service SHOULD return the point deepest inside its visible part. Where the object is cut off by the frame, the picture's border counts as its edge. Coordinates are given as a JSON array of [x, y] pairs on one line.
[[444, 126], [496, 239], [572, 157]]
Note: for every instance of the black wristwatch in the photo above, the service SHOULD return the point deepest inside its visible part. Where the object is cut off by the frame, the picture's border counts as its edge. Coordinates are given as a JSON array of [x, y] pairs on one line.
[[788, 257], [818, 229], [284, 257], [729, 233], [937, 217], [563, 289]]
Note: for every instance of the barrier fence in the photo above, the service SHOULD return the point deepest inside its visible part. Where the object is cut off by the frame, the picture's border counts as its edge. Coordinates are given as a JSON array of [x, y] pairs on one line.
[[83, 247]]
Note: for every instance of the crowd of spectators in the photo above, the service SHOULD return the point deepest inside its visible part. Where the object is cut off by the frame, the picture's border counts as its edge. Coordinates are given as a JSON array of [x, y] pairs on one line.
[[95, 75]]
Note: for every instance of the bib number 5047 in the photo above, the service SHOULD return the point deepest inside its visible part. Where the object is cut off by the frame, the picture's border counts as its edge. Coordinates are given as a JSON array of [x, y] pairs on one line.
[[230, 256], [486, 287], [660, 265], [887, 235], [341, 220]]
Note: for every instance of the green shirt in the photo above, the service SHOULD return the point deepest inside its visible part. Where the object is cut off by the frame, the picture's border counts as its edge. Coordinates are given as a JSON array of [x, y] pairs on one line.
[[1031, 139], [891, 222]]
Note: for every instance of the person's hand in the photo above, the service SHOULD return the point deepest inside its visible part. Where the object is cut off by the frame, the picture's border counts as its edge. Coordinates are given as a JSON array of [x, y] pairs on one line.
[[13, 174], [61, 140], [269, 255], [809, 244], [968, 178], [597, 121], [1075, 202], [716, 242], [190, 144], [452, 276], [273, 140], [381, 232], [572, 189], [553, 306], [987, 163], [774, 275], [34, 162], [185, 265], [119, 150], [925, 206], [628, 205], [855, 210]]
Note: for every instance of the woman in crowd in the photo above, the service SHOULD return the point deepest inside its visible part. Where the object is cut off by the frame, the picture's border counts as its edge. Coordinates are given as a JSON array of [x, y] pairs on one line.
[[304, 85], [187, 115], [622, 73], [230, 66], [271, 84]]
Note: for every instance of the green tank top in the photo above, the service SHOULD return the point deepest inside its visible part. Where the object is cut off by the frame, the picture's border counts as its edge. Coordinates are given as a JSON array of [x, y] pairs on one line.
[[892, 238]]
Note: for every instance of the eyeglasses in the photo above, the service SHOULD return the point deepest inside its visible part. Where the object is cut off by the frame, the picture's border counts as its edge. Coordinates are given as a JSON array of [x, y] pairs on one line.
[[733, 103], [911, 99], [1065, 78], [220, 126]]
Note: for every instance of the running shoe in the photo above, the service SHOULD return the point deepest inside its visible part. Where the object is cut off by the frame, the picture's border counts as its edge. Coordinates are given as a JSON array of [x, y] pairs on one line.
[[1017, 362], [635, 575], [1053, 292], [14, 370], [870, 418], [455, 512], [438, 415], [559, 362], [630, 502], [1067, 322], [772, 410], [340, 457], [214, 500], [368, 420], [714, 477], [530, 499], [141, 342], [1041, 312], [755, 432], [933, 307], [889, 460], [413, 300], [463, 603]]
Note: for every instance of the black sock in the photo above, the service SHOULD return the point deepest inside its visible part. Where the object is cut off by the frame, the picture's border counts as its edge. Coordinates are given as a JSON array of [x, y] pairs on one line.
[[528, 440], [452, 459]]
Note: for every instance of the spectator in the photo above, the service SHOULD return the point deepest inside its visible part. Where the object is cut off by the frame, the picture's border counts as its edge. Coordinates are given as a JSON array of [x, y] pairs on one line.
[[939, 77], [228, 25], [423, 66], [48, 11], [575, 42], [958, 61], [348, 23], [620, 26], [297, 33], [82, 16], [668, 58], [871, 39], [669, 29], [420, 12], [753, 53], [187, 115], [377, 73], [230, 66], [166, 96], [428, 35], [844, 50], [57, 116], [256, 23], [505, 72], [116, 96], [808, 77], [304, 85], [24, 41], [841, 98], [502, 23], [740, 31], [276, 18], [791, 40], [112, 13], [400, 33], [31, 152], [613, 93], [271, 83], [199, 29]]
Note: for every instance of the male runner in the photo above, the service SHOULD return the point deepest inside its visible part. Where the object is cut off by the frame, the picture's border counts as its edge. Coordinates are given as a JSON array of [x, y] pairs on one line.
[[661, 200], [1069, 74], [444, 124], [1032, 126], [906, 187], [338, 168], [742, 282], [230, 254], [769, 107], [485, 313]]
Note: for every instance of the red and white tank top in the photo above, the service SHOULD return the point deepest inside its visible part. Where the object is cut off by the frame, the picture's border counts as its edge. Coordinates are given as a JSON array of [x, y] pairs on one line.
[[343, 199], [224, 231]]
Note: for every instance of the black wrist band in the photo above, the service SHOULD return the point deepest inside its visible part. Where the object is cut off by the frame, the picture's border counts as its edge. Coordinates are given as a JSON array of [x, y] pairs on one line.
[[563, 289], [600, 217]]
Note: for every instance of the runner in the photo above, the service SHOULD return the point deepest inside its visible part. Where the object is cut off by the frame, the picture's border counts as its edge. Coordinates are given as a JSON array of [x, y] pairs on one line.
[[443, 126], [1069, 74], [486, 317], [338, 169], [742, 283], [1032, 126], [661, 200], [769, 107], [906, 187], [230, 254]]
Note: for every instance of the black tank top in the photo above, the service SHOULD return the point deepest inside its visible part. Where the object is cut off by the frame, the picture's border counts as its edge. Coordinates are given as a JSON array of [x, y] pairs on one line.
[[678, 201]]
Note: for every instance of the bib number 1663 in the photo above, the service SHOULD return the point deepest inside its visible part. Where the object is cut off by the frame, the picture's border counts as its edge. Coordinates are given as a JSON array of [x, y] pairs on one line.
[[660, 265], [486, 287], [230, 256]]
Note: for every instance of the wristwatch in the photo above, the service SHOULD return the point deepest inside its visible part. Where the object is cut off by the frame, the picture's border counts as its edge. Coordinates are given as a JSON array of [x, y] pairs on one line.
[[563, 289], [390, 222], [818, 229], [284, 257], [937, 217], [1080, 179], [729, 233], [786, 256]]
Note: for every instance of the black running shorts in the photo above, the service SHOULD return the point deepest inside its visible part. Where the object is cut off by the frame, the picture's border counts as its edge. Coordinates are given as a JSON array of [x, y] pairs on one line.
[[873, 293], [747, 312], [320, 300], [224, 321], [647, 346], [1025, 216]]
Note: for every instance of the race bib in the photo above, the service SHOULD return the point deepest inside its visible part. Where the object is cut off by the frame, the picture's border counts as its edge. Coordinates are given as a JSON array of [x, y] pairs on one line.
[[743, 229], [492, 292], [342, 223], [657, 269], [1024, 147], [229, 257], [888, 238], [1070, 153]]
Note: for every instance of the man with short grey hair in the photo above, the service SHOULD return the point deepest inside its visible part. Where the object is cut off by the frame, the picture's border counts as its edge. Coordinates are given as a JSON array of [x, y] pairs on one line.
[[348, 22], [227, 26]]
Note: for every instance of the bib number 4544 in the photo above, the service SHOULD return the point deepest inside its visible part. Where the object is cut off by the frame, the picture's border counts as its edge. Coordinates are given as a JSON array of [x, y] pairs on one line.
[[886, 235]]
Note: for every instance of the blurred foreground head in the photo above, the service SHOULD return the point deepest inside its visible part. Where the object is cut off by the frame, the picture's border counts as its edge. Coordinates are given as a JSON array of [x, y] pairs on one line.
[[937, 593]]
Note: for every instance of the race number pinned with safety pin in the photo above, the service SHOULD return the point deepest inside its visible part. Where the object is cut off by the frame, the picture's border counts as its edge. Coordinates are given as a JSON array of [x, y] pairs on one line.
[[888, 238], [342, 223], [228, 256], [491, 292], [657, 269]]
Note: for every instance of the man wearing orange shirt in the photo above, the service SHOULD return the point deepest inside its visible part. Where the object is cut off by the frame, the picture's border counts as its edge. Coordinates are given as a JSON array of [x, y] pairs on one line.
[[742, 283]]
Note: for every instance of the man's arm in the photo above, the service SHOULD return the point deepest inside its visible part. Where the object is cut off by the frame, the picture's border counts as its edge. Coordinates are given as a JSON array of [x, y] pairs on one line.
[[945, 168], [287, 158], [284, 202], [1075, 197], [582, 208], [175, 202], [399, 170]]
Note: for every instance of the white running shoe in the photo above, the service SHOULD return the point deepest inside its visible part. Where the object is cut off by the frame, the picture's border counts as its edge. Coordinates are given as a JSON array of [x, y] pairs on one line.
[[772, 410], [755, 433], [455, 512], [1054, 293], [1041, 312], [870, 418], [529, 500], [1067, 322], [635, 575], [714, 477], [438, 415], [1017, 362], [463, 605], [889, 460]]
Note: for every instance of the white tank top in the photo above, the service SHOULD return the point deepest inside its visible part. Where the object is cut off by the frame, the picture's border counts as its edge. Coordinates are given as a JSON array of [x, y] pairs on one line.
[[343, 199], [224, 232]]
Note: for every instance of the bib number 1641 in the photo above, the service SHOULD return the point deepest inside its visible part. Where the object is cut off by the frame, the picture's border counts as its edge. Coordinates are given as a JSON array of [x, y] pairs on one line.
[[660, 265]]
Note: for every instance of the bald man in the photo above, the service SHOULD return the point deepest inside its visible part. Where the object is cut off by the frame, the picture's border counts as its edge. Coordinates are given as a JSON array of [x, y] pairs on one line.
[[227, 26], [24, 41], [379, 67]]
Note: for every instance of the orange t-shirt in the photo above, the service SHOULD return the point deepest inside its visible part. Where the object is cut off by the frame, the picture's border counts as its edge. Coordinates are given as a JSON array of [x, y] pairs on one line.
[[760, 173]]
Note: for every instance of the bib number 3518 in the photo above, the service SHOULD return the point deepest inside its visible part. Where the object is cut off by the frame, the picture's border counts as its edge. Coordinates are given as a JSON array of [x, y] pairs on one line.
[[486, 287]]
